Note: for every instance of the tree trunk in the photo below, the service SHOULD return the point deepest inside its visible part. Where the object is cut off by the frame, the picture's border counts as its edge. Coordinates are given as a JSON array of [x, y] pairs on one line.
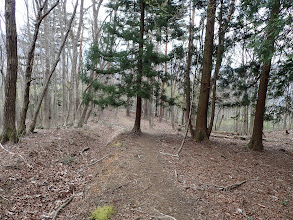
[[136, 128], [201, 132], [163, 83], [128, 107], [187, 76], [64, 68], [256, 139], [145, 111], [220, 52], [75, 72], [9, 130], [48, 54]]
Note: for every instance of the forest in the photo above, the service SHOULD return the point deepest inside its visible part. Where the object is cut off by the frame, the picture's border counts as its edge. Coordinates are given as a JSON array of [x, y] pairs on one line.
[[146, 109]]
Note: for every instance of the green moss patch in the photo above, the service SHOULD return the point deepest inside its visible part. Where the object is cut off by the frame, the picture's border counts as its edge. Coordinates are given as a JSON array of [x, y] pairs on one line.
[[103, 213]]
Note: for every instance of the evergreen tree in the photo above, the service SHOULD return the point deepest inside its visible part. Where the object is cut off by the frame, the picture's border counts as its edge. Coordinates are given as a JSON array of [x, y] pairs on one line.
[[201, 132], [264, 46], [132, 57]]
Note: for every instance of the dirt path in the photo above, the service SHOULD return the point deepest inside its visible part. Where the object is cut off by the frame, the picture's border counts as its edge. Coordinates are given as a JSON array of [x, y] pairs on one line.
[[135, 180], [101, 165]]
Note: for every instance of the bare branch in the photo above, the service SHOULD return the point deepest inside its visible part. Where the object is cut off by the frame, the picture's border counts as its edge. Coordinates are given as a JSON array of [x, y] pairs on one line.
[[44, 15], [29, 166]]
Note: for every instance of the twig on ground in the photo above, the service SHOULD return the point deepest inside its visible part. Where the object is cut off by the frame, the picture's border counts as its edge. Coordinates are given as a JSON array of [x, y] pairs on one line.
[[29, 166], [223, 188], [97, 161], [63, 206], [232, 186], [5, 198], [164, 216], [172, 155]]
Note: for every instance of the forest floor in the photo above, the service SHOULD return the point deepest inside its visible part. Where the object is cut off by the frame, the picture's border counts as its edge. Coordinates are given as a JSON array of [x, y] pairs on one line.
[[104, 164]]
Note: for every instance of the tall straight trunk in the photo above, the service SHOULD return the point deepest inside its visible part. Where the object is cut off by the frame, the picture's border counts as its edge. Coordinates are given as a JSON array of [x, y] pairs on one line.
[[163, 83], [128, 106], [48, 54], [29, 66], [9, 129], [150, 109], [201, 131], [245, 120], [187, 76], [75, 72], [64, 69], [136, 127], [145, 111], [77, 101], [256, 138], [38, 107], [220, 52], [251, 120], [289, 91]]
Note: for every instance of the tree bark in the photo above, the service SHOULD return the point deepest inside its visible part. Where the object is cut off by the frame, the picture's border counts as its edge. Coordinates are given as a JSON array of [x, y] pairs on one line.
[[62, 17], [48, 54], [145, 111], [220, 52], [136, 128], [9, 130], [128, 107], [256, 138], [187, 76], [163, 83], [75, 56], [201, 132]]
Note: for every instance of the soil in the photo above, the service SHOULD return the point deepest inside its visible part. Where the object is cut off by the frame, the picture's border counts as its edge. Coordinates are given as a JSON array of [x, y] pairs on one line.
[[103, 163]]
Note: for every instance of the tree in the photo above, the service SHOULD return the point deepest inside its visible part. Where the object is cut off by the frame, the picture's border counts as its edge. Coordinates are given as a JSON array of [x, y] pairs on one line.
[[130, 56], [256, 138], [187, 77], [220, 51], [9, 130], [136, 127], [201, 132]]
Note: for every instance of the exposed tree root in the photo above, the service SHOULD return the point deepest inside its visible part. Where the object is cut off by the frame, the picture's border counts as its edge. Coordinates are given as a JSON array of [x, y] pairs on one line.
[[63, 206]]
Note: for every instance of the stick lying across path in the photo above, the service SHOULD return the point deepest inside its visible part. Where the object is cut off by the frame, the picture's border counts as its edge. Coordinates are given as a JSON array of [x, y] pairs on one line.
[[29, 166]]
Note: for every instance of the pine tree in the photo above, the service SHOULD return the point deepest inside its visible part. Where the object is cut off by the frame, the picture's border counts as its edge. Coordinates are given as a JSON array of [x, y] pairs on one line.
[[265, 52], [131, 56]]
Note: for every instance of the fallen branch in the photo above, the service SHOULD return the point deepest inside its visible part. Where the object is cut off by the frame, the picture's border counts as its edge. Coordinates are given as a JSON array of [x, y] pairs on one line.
[[172, 155], [97, 161], [233, 186], [29, 166], [63, 206], [163, 215], [5, 198]]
